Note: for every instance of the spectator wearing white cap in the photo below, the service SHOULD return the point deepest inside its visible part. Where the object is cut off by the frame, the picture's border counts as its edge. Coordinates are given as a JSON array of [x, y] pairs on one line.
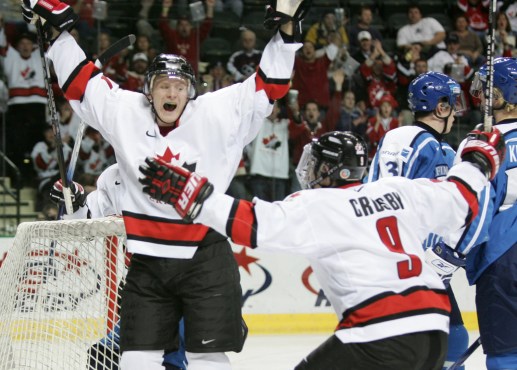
[[365, 47]]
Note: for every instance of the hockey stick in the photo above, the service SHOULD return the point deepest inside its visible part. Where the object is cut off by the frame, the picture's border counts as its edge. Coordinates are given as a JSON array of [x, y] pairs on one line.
[[109, 53], [459, 362], [489, 90], [54, 120]]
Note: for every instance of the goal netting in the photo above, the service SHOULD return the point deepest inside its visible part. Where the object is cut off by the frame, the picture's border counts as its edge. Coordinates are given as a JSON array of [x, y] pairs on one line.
[[59, 295]]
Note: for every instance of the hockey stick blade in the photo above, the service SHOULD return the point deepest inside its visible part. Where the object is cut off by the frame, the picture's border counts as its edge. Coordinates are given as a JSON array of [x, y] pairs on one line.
[[459, 362], [114, 49]]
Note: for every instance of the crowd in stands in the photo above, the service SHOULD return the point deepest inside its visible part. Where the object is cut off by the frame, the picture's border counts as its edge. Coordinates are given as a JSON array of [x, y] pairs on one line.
[[352, 73]]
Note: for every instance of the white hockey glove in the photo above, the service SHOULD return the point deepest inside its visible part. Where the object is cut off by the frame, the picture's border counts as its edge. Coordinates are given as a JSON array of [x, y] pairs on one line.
[[444, 260], [78, 195]]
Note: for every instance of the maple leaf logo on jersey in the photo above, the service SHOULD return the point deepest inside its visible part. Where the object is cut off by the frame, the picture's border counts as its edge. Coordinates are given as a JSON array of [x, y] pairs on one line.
[[272, 142], [168, 156]]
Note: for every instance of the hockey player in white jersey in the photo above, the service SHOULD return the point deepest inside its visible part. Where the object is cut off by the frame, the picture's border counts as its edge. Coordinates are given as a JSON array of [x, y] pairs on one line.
[[420, 151], [364, 242], [177, 269], [491, 265]]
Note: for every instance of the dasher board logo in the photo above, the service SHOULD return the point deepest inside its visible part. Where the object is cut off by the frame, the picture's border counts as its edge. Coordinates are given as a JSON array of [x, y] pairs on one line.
[[255, 270]]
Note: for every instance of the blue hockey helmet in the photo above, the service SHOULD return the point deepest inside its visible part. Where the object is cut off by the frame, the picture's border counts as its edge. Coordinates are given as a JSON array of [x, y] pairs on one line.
[[340, 155], [431, 88], [173, 66], [504, 79]]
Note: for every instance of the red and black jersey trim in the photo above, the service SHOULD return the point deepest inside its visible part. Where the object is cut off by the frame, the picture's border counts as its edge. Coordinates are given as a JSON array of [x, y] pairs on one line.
[[390, 306], [275, 88], [75, 85], [242, 223], [160, 230], [470, 196]]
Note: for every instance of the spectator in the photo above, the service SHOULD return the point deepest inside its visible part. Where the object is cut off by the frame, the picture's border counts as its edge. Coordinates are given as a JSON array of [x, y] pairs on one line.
[[410, 65], [216, 78], [470, 43], [364, 24], [383, 121], [351, 117], [379, 74], [365, 47], [510, 9], [311, 71], [244, 62], [504, 37], [318, 33], [185, 40], [343, 62], [25, 118], [69, 122], [477, 14], [269, 158], [302, 129], [427, 31], [460, 67], [116, 67], [135, 76], [45, 161], [143, 45]]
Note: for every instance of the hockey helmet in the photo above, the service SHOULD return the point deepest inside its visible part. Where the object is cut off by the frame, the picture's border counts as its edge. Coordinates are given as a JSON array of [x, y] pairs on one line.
[[340, 155], [504, 79], [431, 88], [173, 66]]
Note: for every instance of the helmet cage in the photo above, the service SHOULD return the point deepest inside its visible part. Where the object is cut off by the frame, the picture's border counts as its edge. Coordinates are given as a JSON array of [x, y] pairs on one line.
[[171, 66], [341, 156]]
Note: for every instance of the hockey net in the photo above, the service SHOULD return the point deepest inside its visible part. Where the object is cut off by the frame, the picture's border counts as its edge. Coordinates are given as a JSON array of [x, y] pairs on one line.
[[59, 295]]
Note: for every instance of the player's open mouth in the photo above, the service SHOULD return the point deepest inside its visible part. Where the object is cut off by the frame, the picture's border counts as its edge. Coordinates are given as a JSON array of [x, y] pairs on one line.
[[169, 107]]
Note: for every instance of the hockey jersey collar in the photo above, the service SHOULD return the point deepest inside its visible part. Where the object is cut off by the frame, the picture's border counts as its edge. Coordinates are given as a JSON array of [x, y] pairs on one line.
[[429, 129]]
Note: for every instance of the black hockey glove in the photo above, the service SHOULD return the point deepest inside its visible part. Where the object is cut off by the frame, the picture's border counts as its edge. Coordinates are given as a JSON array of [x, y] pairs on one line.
[[279, 12], [184, 190], [78, 195], [60, 15], [486, 150]]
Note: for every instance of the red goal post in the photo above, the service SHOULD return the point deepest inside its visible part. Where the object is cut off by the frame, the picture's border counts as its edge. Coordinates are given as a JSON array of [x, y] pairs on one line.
[[59, 292]]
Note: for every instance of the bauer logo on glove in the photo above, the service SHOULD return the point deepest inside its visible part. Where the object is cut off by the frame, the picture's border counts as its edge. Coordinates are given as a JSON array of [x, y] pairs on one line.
[[184, 190]]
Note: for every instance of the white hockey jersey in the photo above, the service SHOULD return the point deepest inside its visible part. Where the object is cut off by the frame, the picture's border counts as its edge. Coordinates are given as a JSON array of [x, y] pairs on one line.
[[209, 139], [364, 244], [24, 76]]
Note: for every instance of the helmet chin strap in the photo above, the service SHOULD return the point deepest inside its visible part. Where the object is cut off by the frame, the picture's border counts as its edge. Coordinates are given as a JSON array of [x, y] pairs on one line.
[[444, 119]]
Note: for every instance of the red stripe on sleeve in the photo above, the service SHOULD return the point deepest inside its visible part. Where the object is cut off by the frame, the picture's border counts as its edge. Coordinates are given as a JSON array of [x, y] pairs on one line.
[[243, 224], [275, 89], [470, 196], [77, 87]]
